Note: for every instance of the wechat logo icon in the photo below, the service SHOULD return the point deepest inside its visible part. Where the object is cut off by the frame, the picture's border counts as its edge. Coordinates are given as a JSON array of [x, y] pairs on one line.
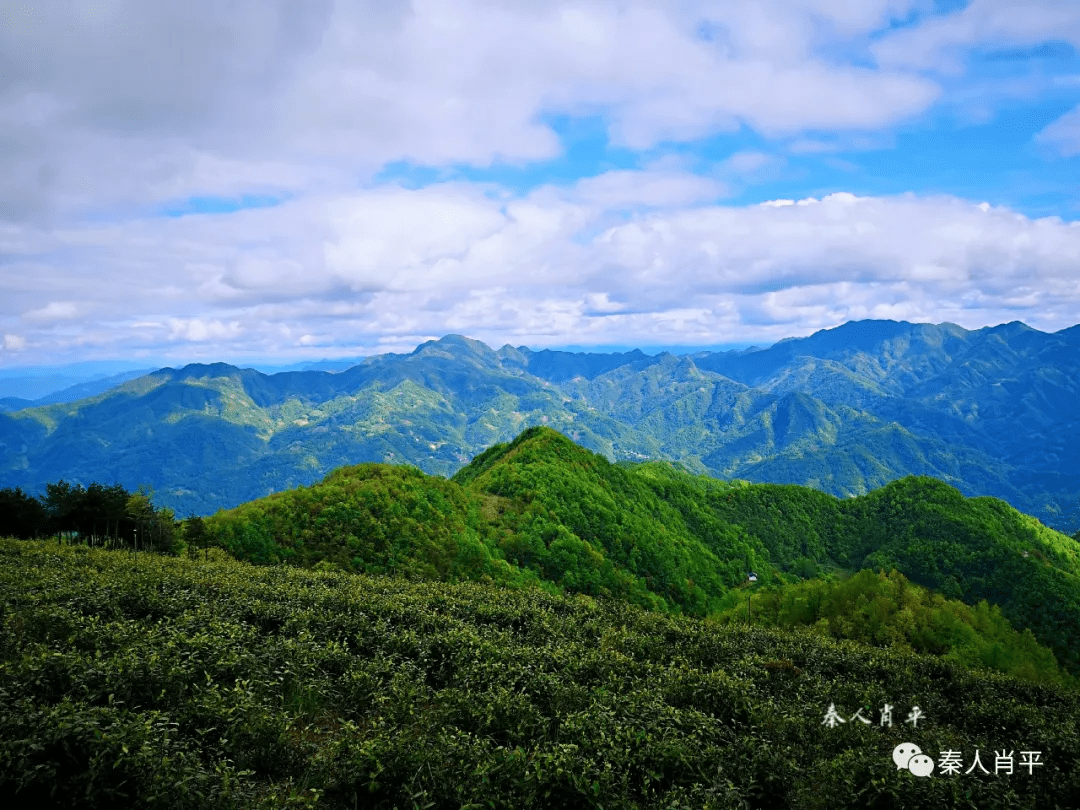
[[910, 756]]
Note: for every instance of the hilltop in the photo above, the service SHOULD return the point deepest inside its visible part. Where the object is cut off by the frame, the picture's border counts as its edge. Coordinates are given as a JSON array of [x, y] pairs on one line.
[[543, 512]]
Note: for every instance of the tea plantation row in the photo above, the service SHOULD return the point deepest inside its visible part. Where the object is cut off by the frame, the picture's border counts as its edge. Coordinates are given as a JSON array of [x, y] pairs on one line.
[[175, 683]]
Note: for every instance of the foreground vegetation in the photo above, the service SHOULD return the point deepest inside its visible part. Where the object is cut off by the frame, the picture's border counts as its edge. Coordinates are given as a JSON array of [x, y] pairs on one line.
[[154, 681]]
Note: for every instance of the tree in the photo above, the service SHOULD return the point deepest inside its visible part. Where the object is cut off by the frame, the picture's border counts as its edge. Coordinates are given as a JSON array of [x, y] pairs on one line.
[[21, 515], [115, 514], [90, 510], [163, 529], [193, 530], [61, 505]]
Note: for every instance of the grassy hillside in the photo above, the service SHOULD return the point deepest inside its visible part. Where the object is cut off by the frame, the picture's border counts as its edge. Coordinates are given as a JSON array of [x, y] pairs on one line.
[[169, 683], [544, 511]]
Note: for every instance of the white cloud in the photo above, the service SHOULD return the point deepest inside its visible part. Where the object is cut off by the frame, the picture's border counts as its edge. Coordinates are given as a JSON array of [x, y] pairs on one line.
[[13, 343], [201, 329], [125, 105], [1063, 134], [622, 188], [553, 267], [52, 312], [940, 43], [749, 162], [423, 236], [601, 302]]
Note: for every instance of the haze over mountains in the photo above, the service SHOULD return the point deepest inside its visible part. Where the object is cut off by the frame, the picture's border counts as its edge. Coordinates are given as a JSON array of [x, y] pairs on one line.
[[991, 411], [39, 384]]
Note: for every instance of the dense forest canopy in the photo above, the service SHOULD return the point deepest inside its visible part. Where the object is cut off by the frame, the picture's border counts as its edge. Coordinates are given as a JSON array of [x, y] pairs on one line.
[[890, 611]]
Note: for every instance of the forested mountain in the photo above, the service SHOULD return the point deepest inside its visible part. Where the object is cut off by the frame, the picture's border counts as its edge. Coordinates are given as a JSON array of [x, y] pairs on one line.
[[846, 410], [70, 393], [542, 511]]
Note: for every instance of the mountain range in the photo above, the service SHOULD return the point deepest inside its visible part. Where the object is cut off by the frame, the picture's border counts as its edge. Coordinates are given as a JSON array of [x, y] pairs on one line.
[[991, 412]]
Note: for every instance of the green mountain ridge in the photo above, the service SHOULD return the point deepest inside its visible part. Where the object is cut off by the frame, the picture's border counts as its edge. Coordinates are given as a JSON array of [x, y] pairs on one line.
[[544, 512], [991, 411]]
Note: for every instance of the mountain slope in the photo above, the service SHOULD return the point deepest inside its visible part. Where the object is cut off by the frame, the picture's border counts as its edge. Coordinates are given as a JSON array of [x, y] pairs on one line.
[[70, 393], [544, 510], [538, 509], [890, 611]]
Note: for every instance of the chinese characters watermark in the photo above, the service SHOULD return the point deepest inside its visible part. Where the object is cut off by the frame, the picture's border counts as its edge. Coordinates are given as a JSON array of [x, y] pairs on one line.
[[908, 756], [833, 717]]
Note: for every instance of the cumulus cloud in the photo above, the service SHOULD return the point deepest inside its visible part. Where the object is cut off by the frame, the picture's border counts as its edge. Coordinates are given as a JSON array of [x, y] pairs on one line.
[[112, 113], [621, 188], [129, 104], [53, 311], [13, 343], [389, 262], [201, 329], [941, 42], [748, 162]]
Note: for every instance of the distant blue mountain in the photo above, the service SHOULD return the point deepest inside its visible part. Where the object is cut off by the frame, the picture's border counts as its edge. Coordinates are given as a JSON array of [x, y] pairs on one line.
[[990, 411], [8, 404], [71, 393]]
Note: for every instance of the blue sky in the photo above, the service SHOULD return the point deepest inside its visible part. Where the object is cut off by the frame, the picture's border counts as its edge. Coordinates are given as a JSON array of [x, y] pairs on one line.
[[274, 183]]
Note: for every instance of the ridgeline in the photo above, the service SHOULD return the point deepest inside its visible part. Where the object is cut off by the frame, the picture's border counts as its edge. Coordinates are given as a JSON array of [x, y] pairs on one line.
[[543, 511]]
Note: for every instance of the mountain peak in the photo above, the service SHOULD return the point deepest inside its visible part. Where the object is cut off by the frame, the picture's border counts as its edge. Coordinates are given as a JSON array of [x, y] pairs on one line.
[[454, 344], [203, 370], [537, 443], [1010, 328], [1070, 334]]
